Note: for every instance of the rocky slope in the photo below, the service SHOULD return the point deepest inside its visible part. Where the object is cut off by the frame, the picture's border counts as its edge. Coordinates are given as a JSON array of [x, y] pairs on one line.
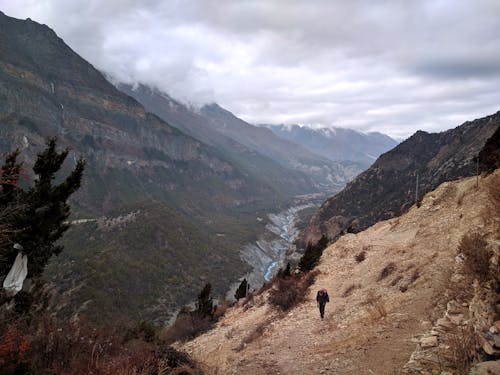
[[382, 306], [387, 188], [337, 143]]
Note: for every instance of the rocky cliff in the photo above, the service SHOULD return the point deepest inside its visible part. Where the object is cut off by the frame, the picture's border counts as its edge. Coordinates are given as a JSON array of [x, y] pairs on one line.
[[388, 187]]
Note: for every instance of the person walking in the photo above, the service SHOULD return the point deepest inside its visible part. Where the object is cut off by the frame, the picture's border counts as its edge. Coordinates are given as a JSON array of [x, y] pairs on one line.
[[322, 299]]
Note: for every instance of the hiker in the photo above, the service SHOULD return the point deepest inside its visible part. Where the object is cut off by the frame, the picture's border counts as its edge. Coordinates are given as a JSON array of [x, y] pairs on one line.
[[322, 298]]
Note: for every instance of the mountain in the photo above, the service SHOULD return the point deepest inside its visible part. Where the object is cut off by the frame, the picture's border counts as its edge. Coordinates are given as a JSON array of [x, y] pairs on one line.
[[387, 188], [261, 167], [324, 172], [407, 306], [286, 166], [337, 143], [135, 161]]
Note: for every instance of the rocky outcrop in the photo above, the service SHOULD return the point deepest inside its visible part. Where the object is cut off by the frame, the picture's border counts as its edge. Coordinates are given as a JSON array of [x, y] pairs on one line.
[[388, 187]]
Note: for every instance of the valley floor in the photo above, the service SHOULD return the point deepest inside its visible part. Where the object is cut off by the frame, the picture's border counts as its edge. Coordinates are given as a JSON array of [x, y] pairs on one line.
[[379, 308]]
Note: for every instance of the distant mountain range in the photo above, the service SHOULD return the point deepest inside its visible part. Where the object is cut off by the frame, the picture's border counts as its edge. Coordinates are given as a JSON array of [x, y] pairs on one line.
[[285, 165], [388, 187], [337, 143]]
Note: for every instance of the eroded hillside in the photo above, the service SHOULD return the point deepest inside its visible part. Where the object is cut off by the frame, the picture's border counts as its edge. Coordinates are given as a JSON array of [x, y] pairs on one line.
[[382, 305]]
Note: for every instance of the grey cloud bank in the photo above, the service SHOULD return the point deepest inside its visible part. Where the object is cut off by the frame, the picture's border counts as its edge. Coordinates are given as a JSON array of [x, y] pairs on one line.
[[389, 66]]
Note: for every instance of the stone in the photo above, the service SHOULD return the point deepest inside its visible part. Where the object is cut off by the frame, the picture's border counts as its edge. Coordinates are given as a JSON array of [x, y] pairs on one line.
[[453, 308], [428, 342], [496, 326], [486, 368], [456, 319], [496, 340]]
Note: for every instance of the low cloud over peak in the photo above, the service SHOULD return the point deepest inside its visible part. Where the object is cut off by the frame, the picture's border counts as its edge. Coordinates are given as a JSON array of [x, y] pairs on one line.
[[388, 66]]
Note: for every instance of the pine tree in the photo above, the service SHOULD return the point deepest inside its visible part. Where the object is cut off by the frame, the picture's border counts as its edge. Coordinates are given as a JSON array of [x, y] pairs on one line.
[[284, 273], [312, 254], [42, 221], [205, 305], [241, 292]]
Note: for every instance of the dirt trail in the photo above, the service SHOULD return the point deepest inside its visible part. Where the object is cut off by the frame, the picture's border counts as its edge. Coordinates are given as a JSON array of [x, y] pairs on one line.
[[356, 337]]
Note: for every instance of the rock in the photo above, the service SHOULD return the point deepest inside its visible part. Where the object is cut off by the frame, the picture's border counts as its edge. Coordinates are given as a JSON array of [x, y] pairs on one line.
[[444, 325], [488, 348], [496, 340], [428, 342], [495, 328], [425, 324], [453, 308], [456, 319], [486, 368]]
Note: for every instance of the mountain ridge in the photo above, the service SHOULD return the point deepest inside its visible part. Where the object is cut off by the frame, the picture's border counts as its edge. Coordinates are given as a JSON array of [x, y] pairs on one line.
[[387, 188], [336, 143]]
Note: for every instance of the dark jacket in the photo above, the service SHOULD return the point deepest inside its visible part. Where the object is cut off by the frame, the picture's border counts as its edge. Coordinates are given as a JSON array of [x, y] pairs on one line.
[[322, 298]]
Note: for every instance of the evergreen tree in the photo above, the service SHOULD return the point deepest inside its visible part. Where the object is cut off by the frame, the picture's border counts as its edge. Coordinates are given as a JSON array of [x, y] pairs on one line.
[[205, 305], [312, 254], [284, 273], [45, 209], [10, 209], [242, 290]]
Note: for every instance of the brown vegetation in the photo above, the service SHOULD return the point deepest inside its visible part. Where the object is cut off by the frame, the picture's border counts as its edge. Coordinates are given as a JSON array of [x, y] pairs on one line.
[[290, 291], [350, 289], [477, 256], [48, 345], [378, 307], [360, 257], [387, 270]]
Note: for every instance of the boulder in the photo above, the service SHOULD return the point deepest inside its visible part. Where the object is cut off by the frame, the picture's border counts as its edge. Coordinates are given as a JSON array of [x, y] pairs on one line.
[[428, 342]]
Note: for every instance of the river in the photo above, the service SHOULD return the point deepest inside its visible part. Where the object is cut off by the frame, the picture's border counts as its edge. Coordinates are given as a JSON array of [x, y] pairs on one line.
[[271, 251]]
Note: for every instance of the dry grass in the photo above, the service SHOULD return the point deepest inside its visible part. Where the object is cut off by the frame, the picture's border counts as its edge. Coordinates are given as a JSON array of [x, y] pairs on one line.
[[396, 280], [350, 290], [463, 350], [378, 307], [254, 334], [387, 270], [477, 256]]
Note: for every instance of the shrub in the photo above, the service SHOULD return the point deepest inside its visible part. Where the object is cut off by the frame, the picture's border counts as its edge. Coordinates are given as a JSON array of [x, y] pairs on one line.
[[289, 292], [187, 326], [477, 256], [46, 345], [462, 349], [360, 257], [387, 270]]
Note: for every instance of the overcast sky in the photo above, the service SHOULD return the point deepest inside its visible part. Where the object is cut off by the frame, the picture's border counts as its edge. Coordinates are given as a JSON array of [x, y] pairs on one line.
[[390, 66]]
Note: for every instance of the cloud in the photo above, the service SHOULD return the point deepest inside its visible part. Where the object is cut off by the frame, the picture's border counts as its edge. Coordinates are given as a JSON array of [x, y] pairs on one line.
[[391, 66]]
